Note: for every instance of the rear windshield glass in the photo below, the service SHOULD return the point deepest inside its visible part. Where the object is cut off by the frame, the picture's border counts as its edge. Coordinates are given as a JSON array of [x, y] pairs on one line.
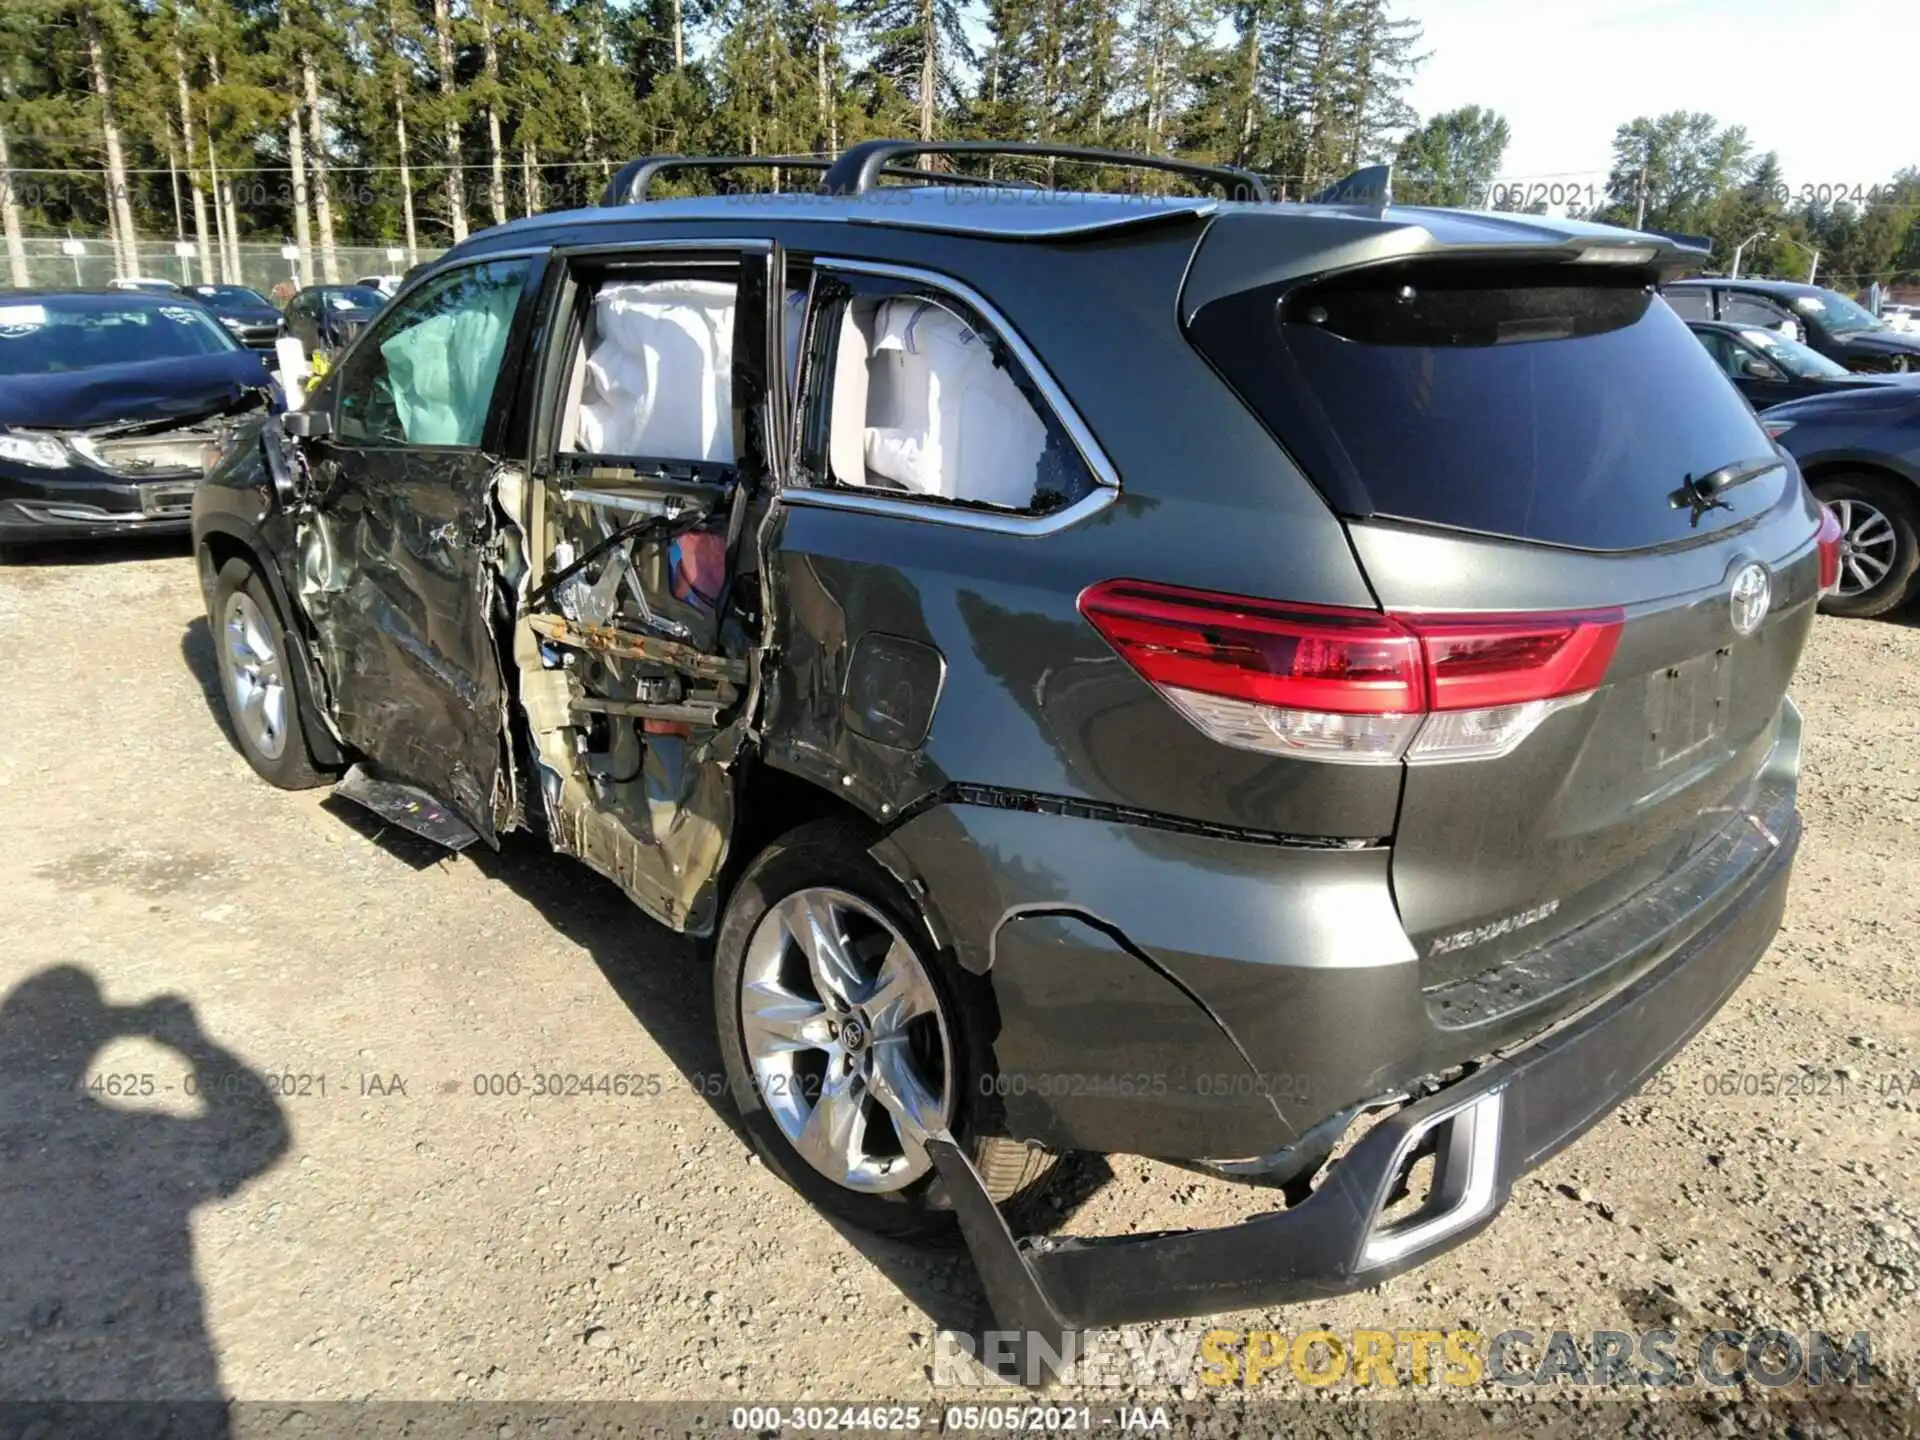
[[1517, 405], [231, 295], [354, 297]]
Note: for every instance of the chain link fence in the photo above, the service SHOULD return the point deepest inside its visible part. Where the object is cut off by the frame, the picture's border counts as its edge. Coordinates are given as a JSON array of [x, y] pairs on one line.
[[59, 262]]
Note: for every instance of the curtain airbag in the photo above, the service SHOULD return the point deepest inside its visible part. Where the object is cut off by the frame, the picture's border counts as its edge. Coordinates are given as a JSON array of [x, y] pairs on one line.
[[944, 418], [660, 371]]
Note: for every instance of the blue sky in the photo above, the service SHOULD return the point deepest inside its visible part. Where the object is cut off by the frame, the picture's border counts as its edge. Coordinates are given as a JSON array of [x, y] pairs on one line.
[[1832, 85]]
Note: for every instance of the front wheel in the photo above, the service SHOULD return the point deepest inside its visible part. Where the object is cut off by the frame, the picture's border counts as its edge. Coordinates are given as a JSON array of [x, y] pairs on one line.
[[846, 1042], [256, 680], [1879, 542]]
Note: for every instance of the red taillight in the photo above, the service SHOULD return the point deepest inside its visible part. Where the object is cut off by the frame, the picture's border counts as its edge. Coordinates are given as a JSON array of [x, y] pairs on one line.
[[1344, 662], [1828, 540], [1474, 661], [1353, 685]]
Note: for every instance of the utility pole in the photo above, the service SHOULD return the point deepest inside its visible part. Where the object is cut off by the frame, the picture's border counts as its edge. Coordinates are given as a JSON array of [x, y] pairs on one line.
[[1741, 247]]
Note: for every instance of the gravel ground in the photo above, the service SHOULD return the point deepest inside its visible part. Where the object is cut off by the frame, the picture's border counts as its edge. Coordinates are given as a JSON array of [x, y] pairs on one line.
[[381, 1230]]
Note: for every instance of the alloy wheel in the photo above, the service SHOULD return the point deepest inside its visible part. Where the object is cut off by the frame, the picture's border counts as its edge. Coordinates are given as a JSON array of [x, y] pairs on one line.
[[256, 684], [1868, 545], [847, 1039]]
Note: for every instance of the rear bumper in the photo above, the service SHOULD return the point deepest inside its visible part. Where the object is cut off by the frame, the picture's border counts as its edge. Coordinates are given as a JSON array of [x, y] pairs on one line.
[[1207, 999], [1505, 1118]]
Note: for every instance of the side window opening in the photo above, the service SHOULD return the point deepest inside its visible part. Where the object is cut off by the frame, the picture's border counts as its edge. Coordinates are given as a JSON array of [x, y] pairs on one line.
[[912, 395], [1722, 350], [428, 373], [636, 618], [1739, 309], [1688, 304]]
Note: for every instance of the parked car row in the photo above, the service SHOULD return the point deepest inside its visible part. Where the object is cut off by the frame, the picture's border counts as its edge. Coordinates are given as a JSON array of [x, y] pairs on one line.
[[323, 318], [111, 400], [1840, 391], [1843, 330]]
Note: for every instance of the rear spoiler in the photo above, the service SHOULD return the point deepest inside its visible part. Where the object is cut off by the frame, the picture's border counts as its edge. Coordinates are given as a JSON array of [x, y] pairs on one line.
[[1702, 243], [1260, 247]]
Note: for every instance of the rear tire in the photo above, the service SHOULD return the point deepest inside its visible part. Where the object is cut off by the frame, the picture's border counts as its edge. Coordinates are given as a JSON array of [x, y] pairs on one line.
[[820, 875], [256, 680], [1880, 525]]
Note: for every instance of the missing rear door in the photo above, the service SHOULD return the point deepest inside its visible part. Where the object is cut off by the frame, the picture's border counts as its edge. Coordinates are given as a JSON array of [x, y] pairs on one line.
[[640, 614]]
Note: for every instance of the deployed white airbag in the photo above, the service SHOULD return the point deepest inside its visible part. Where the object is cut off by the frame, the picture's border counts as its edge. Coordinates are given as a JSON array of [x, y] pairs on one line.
[[847, 432], [942, 418], [659, 366]]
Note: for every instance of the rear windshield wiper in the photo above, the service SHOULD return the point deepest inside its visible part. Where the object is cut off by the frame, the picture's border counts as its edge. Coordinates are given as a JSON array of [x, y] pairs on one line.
[[1701, 493]]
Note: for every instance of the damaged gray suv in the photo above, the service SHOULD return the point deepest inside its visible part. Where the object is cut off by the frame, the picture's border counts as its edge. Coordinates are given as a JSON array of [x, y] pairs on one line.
[[1295, 690]]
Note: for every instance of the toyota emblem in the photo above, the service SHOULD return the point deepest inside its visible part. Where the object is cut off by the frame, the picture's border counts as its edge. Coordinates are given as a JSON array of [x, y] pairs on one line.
[[1752, 593]]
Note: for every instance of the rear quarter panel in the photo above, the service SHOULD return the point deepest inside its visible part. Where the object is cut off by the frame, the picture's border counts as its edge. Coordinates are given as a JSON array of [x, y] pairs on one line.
[[1032, 699]]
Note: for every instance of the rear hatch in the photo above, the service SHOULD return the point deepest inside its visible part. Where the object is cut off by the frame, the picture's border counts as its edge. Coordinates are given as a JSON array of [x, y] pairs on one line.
[[1505, 439]]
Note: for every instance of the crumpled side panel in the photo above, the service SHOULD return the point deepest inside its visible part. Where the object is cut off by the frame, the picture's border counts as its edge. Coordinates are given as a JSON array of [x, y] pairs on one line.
[[394, 573]]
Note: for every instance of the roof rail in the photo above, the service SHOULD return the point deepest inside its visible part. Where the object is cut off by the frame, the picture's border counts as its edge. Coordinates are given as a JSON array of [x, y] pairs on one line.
[[859, 169], [1371, 188], [631, 181]]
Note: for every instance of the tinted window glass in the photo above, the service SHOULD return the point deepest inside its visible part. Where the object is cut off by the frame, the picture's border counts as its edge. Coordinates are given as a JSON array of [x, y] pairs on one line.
[[1724, 353], [1689, 304], [1738, 309], [1511, 405], [426, 376]]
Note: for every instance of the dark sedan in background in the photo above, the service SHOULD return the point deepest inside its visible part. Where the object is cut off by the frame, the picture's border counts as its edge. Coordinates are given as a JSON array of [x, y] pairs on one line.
[[326, 317], [1842, 330], [110, 402], [1769, 369], [252, 319], [1860, 452]]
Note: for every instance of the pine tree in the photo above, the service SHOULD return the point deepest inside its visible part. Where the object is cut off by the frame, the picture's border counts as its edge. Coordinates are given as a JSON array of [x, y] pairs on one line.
[[917, 60], [1164, 54], [107, 31], [451, 108]]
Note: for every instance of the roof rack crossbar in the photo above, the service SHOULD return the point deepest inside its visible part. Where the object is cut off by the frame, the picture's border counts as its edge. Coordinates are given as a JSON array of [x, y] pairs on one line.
[[631, 181], [860, 167]]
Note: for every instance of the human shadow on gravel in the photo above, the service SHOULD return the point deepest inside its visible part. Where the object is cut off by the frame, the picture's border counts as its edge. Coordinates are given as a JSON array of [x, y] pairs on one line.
[[98, 1298], [666, 983]]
